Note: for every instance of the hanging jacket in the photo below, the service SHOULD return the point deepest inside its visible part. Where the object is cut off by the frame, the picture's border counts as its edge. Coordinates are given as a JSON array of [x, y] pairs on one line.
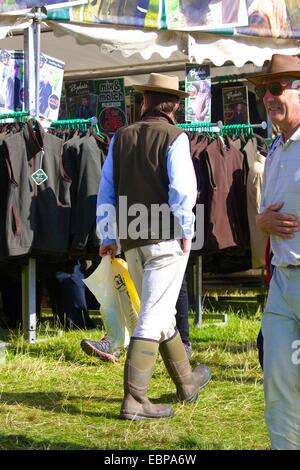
[[3, 198], [227, 225], [37, 216], [84, 160]]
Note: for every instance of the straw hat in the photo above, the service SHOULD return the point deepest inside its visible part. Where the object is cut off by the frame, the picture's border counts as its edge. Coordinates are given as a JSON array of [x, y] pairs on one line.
[[279, 66], [162, 84]]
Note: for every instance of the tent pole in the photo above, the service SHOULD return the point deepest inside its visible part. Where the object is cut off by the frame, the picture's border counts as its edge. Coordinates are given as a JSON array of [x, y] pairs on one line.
[[198, 296], [32, 41], [198, 264]]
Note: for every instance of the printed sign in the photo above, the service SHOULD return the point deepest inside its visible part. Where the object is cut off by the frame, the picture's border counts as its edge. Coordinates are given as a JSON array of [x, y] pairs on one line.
[[111, 104], [273, 18], [205, 15], [82, 101], [266, 18], [141, 13], [22, 6], [12, 83], [198, 86], [51, 80], [235, 105]]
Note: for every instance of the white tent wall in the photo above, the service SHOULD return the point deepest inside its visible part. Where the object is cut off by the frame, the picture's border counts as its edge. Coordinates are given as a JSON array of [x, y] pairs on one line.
[[88, 62]]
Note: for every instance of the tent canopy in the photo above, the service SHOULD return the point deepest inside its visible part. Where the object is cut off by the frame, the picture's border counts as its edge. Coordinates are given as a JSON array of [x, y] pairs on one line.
[[91, 51]]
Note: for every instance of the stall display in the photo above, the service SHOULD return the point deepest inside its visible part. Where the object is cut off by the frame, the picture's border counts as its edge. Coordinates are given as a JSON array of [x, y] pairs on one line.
[[122, 44], [12, 83], [198, 85], [235, 105]]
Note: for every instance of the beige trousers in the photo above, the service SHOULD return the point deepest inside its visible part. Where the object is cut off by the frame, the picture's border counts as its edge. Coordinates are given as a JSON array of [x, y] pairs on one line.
[[157, 271]]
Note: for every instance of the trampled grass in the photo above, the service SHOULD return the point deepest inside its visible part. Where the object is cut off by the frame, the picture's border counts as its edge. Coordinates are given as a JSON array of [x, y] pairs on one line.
[[53, 396]]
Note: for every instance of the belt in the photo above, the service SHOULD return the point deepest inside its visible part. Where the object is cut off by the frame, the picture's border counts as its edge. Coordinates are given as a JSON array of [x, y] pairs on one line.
[[293, 266]]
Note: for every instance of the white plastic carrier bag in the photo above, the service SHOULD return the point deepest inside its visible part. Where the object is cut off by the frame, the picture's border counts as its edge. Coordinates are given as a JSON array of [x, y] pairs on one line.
[[119, 302]]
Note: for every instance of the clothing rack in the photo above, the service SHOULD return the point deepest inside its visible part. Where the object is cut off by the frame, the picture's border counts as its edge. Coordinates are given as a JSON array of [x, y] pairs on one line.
[[19, 116], [28, 270], [82, 124], [197, 269], [72, 123], [240, 129], [201, 126]]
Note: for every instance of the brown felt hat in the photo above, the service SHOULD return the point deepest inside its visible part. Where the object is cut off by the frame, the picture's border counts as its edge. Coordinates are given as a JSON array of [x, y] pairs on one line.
[[279, 66], [162, 84]]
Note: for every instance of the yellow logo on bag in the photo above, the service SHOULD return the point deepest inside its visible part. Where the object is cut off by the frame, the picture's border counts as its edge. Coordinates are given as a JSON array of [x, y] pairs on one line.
[[119, 267]]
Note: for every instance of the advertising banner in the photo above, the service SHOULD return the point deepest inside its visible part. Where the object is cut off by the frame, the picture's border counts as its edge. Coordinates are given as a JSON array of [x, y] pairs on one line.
[[51, 80], [266, 18], [81, 99], [22, 6], [140, 13], [62, 113], [198, 85], [206, 15], [12, 83], [235, 105], [273, 18], [111, 104]]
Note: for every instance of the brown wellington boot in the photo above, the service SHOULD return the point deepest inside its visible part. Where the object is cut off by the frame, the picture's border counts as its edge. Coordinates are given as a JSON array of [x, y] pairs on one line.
[[188, 382], [140, 360]]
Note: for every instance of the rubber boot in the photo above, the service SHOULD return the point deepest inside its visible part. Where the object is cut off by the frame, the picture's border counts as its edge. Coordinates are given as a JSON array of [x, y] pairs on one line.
[[140, 360], [188, 382]]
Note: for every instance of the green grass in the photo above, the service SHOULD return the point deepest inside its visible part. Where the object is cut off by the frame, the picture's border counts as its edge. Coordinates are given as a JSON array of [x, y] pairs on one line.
[[53, 396]]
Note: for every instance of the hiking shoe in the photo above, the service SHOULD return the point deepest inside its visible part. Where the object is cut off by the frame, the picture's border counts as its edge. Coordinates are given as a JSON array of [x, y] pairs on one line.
[[188, 350], [100, 349]]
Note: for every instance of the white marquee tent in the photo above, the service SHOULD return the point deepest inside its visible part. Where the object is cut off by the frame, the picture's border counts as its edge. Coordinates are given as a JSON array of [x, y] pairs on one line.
[[99, 51]]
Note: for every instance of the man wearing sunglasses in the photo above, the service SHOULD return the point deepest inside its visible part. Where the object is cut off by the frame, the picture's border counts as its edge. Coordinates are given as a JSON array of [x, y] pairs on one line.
[[279, 219]]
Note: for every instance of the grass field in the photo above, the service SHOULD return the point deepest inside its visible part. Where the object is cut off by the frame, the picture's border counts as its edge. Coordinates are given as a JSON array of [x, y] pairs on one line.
[[53, 396]]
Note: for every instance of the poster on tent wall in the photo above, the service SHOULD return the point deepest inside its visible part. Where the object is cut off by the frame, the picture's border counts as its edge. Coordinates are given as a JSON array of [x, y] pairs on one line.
[[51, 80], [266, 18], [180, 113], [81, 99], [23, 6], [62, 113], [235, 105], [12, 83], [140, 13], [111, 104], [195, 15], [198, 86], [273, 18]]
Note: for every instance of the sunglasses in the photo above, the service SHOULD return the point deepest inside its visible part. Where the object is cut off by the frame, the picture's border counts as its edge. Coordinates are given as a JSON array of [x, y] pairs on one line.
[[276, 88]]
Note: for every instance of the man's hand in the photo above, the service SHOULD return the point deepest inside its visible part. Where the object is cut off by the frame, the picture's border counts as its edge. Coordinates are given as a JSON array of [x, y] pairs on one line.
[[272, 222], [185, 245], [109, 249]]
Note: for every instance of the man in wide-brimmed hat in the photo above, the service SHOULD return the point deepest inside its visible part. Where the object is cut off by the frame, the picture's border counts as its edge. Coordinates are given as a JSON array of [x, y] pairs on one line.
[[279, 217], [148, 169]]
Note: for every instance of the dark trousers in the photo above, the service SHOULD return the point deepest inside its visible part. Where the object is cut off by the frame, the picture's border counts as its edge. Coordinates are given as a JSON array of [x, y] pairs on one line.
[[260, 347], [67, 298], [260, 338], [12, 302], [11, 294], [182, 313]]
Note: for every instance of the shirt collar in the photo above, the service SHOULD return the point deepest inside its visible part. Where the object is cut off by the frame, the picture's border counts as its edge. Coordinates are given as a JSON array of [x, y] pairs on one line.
[[295, 136]]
